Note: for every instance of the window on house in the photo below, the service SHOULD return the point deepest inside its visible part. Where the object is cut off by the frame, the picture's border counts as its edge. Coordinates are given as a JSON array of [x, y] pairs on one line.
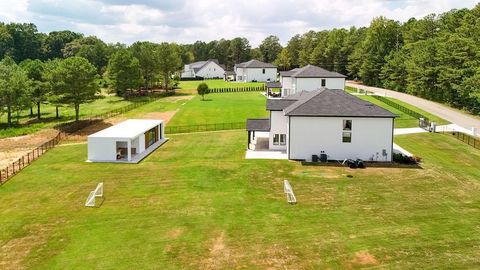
[[276, 138], [347, 125], [346, 137], [347, 131], [263, 71], [324, 82], [283, 139]]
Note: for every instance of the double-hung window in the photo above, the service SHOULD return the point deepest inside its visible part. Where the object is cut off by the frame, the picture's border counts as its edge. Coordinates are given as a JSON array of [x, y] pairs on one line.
[[347, 131], [324, 82], [279, 139]]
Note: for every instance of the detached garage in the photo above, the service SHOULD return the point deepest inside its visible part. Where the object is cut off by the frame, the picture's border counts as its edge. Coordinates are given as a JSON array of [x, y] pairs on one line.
[[127, 142]]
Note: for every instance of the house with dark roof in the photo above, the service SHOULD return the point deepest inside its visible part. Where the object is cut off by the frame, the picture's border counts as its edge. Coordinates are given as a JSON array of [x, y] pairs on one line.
[[309, 78], [209, 69], [331, 124], [255, 71]]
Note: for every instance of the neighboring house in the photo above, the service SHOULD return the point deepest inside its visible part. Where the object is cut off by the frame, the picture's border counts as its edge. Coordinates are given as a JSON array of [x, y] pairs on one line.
[[128, 142], [255, 71], [329, 122], [310, 78], [229, 76], [209, 69]]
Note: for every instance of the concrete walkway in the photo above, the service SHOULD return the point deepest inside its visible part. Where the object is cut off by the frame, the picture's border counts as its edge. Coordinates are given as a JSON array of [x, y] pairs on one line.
[[452, 115], [257, 154]]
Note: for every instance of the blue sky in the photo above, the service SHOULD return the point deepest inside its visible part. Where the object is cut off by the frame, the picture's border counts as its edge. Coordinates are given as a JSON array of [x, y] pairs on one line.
[[185, 21]]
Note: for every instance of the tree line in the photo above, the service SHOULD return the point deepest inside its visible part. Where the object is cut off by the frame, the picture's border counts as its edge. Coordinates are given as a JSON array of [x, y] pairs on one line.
[[436, 57]]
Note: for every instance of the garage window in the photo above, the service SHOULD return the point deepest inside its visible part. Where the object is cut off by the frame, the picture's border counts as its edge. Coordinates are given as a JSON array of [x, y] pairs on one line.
[[283, 139], [263, 71], [324, 82]]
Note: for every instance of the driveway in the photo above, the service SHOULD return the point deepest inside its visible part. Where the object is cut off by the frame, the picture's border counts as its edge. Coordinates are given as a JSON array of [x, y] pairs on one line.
[[454, 116]]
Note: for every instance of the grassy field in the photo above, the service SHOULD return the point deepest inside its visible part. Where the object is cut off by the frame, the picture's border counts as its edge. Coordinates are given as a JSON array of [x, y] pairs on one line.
[[216, 84], [221, 108], [404, 120], [195, 203], [29, 124]]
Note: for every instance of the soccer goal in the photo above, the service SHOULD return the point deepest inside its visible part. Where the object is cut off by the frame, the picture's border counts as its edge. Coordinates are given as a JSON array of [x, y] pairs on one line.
[[98, 192], [287, 189]]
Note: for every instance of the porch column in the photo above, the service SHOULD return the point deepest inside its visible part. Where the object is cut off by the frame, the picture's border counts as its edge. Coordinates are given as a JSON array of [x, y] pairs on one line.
[[248, 144], [129, 150]]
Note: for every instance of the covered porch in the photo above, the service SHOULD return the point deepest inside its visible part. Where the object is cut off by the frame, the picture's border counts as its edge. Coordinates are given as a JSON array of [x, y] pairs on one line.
[[270, 87], [258, 141]]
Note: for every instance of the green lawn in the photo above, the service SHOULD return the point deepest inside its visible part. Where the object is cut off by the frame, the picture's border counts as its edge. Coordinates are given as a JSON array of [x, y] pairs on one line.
[[217, 84], [29, 124], [221, 108], [195, 203], [404, 120]]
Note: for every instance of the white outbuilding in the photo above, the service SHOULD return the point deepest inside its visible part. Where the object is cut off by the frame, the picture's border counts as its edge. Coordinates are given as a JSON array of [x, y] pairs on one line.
[[127, 142]]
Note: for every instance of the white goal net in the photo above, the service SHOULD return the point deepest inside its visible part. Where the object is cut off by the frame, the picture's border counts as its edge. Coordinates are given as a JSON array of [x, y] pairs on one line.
[[98, 192], [287, 189]]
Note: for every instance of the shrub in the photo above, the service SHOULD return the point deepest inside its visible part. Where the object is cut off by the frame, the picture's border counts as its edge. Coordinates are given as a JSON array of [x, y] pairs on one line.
[[403, 159], [202, 90]]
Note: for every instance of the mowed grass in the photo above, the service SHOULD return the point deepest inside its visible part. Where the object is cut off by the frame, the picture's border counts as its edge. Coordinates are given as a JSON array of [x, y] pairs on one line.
[[404, 120], [29, 124], [221, 108], [195, 203], [189, 85]]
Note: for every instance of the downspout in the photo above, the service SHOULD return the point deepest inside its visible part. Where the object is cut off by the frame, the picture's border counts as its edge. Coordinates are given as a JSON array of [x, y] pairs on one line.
[[393, 128]]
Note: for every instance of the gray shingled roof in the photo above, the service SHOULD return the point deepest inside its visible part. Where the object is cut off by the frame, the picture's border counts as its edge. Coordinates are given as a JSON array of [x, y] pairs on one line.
[[254, 63], [311, 71], [279, 104], [196, 66], [273, 85], [261, 124], [326, 102]]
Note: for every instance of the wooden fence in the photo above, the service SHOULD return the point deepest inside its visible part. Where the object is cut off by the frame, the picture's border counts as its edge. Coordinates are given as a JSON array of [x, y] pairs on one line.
[[16, 166], [205, 127], [63, 130], [468, 139], [239, 89]]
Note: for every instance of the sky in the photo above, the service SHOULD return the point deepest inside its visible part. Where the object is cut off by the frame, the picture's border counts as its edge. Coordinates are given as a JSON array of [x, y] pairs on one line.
[[186, 21]]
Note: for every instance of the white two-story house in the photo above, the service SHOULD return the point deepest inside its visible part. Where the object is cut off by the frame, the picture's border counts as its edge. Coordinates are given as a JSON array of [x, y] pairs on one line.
[[209, 69], [255, 71], [310, 78], [328, 123]]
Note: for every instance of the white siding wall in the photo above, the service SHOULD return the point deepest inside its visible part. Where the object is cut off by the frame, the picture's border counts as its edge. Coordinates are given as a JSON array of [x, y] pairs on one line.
[[211, 70], [252, 74], [311, 84], [278, 125], [240, 72], [102, 149], [310, 135]]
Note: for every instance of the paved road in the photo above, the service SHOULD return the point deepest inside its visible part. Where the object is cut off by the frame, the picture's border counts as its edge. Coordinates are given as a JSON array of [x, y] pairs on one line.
[[454, 116]]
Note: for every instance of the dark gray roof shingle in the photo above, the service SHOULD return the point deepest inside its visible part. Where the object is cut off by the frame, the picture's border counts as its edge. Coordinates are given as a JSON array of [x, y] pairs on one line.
[[254, 63], [273, 85], [261, 124], [311, 71], [279, 104], [326, 102]]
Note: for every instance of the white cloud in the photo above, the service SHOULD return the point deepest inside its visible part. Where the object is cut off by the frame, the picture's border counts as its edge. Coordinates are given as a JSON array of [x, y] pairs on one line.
[[186, 21]]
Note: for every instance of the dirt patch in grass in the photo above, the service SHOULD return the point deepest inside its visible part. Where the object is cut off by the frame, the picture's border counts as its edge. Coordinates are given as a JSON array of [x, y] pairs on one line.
[[11, 149], [219, 254], [175, 233], [364, 258], [82, 134], [276, 257], [16, 250]]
